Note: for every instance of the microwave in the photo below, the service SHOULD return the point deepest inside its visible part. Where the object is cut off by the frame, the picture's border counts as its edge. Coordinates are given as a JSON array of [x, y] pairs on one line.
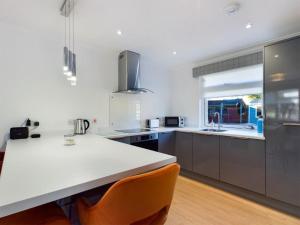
[[174, 121]]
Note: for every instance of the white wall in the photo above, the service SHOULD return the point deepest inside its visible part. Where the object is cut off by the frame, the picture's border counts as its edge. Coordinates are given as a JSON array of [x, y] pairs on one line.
[[185, 94], [32, 84], [157, 79]]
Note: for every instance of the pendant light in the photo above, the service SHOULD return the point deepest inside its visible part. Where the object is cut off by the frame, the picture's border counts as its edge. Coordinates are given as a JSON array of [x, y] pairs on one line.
[[66, 60], [73, 78], [69, 57], [66, 69]]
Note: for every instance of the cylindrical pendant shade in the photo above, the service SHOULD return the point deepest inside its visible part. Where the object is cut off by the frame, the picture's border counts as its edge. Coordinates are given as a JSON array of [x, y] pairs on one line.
[[74, 64], [69, 58], [66, 59], [73, 78], [70, 63]]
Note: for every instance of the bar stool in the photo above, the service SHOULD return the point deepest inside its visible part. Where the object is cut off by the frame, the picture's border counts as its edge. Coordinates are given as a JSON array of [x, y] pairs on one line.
[[49, 214], [139, 200]]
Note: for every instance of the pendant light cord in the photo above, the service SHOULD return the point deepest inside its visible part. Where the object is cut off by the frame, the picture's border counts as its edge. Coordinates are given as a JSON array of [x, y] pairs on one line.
[[73, 26], [69, 4], [65, 26]]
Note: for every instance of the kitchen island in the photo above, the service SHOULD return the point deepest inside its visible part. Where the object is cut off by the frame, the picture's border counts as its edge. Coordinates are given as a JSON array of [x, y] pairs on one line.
[[39, 171]]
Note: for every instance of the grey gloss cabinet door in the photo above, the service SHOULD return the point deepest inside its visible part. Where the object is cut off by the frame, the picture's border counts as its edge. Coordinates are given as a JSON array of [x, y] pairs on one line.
[[282, 112], [166, 143], [206, 155], [242, 163], [184, 150]]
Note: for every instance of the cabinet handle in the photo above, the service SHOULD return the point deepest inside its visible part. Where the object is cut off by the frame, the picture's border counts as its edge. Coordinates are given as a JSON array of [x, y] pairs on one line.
[[243, 138], [291, 124], [204, 134]]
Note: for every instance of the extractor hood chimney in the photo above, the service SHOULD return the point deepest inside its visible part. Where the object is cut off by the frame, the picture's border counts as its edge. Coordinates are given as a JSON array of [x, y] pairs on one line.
[[129, 73]]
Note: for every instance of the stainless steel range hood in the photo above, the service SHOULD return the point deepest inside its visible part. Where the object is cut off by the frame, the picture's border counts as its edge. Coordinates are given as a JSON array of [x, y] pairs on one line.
[[129, 74]]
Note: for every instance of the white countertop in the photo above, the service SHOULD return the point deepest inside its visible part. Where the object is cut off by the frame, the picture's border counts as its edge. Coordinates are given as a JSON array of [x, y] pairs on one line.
[[38, 171], [239, 133]]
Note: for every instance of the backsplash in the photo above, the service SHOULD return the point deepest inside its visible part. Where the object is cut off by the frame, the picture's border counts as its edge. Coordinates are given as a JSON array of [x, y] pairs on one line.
[[131, 111]]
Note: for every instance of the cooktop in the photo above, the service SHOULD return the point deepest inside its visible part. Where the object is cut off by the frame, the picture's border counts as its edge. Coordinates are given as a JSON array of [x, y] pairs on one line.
[[138, 130]]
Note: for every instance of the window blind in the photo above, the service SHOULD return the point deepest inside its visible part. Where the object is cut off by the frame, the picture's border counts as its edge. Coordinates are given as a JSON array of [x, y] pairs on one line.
[[229, 64]]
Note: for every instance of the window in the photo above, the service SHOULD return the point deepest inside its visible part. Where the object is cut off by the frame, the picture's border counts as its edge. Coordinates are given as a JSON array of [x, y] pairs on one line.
[[237, 95], [235, 110]]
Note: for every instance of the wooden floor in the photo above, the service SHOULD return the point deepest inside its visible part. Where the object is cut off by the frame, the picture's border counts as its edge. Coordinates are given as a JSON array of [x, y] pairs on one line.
[[195, 203]]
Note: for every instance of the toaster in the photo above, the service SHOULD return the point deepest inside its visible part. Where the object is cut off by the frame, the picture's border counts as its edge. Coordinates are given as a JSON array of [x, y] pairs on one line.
[[153, 123]]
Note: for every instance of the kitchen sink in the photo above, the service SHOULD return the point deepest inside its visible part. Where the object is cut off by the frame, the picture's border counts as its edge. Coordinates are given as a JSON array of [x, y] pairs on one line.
[[213, 130]]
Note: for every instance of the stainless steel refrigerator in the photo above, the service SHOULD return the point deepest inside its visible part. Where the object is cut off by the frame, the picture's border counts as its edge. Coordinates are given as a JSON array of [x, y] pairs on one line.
[[282, 120]]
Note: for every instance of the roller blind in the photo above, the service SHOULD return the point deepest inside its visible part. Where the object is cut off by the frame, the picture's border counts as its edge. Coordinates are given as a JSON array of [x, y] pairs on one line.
[[247, 80], [229, 64]]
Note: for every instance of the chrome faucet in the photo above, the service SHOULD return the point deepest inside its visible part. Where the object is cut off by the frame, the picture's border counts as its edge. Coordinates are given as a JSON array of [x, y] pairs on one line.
[[218, 114]]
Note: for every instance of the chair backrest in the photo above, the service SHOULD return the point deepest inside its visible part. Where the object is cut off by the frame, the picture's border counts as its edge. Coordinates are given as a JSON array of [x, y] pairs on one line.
[[1, 155], [1, 160], [1, 164], [139, 200]]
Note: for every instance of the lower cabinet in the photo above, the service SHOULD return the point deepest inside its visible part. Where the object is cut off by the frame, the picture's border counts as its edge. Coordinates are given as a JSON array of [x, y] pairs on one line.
[[237, 161], [184, 150], [166, 143], [242, 163], [206, 155]]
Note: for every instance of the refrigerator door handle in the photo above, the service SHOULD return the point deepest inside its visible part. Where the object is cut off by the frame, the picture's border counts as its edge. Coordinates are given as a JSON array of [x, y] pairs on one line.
[[291, 124]]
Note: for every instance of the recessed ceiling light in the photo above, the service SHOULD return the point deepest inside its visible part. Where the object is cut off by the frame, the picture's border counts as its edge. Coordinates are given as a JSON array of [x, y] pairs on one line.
[[174, 53], [119, 32], [248, 26], [276, 56], [232, 8]]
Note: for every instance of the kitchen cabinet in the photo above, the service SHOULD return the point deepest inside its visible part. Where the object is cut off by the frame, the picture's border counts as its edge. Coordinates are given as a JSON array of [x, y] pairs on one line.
[[242, 163], [282, 122], [125, 140], [206, 155], [184, 150], [166, 143]]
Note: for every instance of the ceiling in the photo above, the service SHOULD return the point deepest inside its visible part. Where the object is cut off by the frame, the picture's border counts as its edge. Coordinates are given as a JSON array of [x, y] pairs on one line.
[[195, 29]]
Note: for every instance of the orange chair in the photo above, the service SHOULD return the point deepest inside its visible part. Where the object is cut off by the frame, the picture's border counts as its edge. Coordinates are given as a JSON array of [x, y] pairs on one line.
[[49, 214], [139, 200], [1, 164], [1, 156]]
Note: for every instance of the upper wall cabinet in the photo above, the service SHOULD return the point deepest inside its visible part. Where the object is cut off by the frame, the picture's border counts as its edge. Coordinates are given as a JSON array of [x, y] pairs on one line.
[[184, 150], [242, 163], [206, 157]]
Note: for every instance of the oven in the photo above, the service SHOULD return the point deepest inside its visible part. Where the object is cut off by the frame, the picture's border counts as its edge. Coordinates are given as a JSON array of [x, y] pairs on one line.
[[147, 141]]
